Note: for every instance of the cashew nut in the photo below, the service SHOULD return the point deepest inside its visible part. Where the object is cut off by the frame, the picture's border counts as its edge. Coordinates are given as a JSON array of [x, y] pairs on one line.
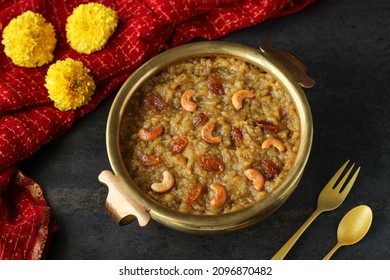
[[166, 184], [150, 134], [207, 134], [256, 177], [186, 101], [220, 195], [239, 96], [273, 142]]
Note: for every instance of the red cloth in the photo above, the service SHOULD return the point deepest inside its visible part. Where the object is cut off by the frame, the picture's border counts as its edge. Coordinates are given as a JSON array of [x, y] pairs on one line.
[[28, 119]]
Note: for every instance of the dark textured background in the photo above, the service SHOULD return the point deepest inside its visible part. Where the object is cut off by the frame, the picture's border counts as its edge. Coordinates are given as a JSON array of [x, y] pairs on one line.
[[346, 47]]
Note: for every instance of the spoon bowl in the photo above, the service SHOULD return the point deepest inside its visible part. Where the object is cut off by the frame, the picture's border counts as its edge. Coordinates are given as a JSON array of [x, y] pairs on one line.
[[352, 228]]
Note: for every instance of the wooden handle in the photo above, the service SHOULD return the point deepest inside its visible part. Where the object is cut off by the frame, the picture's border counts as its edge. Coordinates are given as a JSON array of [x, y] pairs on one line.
[[120, 203]]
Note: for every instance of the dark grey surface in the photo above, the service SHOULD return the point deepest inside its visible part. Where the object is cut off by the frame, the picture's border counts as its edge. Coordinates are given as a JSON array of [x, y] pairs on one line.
[[346, 47]]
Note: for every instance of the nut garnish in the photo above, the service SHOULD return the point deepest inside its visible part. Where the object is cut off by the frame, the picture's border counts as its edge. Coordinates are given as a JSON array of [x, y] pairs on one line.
[[146, 134], [207, 134]]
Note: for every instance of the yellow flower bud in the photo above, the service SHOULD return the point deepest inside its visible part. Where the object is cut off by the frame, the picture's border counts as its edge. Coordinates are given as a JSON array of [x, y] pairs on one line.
[[90, 26], [69, 85], [29, 40]]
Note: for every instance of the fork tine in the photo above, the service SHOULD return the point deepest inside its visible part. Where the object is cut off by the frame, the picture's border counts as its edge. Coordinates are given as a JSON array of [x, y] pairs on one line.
[[348, 187], [333, 180], [329, 199], [342, 181]]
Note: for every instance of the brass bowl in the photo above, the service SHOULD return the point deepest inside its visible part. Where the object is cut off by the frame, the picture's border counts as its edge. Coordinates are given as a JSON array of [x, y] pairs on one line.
[[126, 202]]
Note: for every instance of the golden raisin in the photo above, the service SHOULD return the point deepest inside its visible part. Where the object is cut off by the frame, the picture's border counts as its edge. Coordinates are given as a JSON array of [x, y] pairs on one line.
[[270, 168], [193, 193], [150, 160], [236, 137], [214, 83], [156, 103], [267, 127], [179, 145], [211, 164], [200, 119]]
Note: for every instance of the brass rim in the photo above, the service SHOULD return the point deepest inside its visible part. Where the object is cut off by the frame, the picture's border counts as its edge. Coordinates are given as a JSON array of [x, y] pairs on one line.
[[223, 222]]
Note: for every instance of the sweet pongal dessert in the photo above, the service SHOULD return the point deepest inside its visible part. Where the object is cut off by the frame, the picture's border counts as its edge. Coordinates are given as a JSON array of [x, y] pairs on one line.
[[210, 135]]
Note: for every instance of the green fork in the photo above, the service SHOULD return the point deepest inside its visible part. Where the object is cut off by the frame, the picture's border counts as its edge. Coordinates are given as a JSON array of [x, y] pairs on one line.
[[329, 199]]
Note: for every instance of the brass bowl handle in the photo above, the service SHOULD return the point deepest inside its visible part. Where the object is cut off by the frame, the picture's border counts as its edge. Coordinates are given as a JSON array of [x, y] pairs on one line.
[[296, 68], [120, 203]]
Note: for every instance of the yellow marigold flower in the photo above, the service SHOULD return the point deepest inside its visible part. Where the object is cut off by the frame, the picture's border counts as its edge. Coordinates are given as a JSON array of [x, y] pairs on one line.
[[90, 26], [69, 84], [29, 40]]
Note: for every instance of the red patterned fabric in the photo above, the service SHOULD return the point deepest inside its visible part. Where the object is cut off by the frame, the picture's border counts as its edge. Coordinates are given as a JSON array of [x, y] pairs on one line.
[[28, 119]]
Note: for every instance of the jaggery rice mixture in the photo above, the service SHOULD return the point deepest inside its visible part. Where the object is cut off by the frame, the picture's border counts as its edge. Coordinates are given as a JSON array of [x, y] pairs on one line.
[[210, 135]]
